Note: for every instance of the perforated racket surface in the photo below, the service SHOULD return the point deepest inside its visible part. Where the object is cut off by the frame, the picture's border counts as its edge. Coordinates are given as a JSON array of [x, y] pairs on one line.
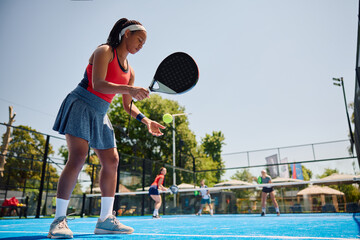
[[176, 74]]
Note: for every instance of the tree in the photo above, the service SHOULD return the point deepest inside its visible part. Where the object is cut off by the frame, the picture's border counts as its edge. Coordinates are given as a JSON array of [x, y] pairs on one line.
[[328, 172], [243, 175], [307, 173], [205, 163], [243, 195], [24, 159], [212, 147], [6, 140]]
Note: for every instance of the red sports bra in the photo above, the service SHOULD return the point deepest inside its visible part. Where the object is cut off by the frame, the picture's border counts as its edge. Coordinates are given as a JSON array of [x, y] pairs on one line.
[[115, 74]]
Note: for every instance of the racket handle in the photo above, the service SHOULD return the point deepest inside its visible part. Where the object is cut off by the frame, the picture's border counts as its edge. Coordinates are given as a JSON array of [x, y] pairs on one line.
[[149, 90]]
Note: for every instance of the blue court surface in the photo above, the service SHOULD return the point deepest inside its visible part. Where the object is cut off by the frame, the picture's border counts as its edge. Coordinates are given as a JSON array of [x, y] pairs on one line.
[[286, 226]]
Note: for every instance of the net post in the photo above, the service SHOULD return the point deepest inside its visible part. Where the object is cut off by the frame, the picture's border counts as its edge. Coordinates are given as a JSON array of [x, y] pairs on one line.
[[7, 185], [83, 205], [164, 204], [43, 172], [143, 188]]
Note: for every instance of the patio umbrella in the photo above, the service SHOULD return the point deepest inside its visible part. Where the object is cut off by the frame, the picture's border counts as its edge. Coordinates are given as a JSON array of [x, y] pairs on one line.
[[232, 183], [140, 189], [322, 191], [339, 178], [187, 186], [280, 180], [317, 190]]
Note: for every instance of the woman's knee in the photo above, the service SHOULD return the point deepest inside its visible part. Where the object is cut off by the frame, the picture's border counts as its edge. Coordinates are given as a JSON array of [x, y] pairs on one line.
[[108, 158], [75, 162], [111, 162]]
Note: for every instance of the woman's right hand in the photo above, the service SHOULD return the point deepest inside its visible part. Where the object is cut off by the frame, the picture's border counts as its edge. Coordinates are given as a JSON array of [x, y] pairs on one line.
[[139, 93]]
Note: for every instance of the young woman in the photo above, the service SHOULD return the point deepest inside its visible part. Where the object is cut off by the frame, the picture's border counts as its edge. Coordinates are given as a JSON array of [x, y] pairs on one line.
[[154, 191], [205, 198], [265, 191], [82, 118]]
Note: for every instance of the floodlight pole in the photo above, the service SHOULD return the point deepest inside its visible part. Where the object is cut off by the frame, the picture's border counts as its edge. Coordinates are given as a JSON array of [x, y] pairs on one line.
[[340, 82], [174, 149]]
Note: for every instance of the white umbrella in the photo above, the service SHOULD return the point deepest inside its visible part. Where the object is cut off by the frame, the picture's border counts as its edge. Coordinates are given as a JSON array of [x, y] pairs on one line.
[[140, 189], [339, 178], [280, 180], [317, 190], [186, 186], [232, 183]]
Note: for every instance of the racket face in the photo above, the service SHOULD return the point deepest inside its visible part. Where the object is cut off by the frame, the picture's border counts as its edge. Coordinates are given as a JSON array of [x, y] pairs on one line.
[[177, 73], [174, 189]]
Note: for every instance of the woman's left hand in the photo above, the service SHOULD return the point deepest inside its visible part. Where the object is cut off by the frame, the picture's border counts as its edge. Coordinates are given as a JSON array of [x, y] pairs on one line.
[[154, 128]]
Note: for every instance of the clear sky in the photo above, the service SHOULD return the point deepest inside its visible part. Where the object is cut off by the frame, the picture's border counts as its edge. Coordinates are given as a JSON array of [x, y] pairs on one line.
[[266, 66]]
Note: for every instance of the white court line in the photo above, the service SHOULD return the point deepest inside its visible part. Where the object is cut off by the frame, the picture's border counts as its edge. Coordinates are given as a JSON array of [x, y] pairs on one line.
[[242, 236], [200, 236]]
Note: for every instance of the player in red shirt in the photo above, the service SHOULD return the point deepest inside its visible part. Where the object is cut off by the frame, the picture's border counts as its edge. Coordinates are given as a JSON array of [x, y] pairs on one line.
[[83, 119], [154, 191]]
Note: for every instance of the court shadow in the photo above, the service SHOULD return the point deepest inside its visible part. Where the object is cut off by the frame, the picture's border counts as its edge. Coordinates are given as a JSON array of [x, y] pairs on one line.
[[88, 236], [356, 217], [106, 236]]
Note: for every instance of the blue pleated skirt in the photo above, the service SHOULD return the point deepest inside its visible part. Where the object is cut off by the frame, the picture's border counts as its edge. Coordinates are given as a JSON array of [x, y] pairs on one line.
[[83, 114]]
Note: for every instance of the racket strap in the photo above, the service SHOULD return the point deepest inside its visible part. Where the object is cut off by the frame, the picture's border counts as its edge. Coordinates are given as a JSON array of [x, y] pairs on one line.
[[127, 131]]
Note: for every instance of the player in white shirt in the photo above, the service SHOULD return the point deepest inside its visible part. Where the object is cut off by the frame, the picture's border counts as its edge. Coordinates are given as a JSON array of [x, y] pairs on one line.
[[205, 198]]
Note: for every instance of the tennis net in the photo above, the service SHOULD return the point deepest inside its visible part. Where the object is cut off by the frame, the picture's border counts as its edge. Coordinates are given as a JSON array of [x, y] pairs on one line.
[[336, 194]]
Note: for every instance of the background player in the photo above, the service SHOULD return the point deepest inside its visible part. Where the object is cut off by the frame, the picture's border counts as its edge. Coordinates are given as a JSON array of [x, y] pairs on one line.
[[205, 198], [265, 191], [154, 191]]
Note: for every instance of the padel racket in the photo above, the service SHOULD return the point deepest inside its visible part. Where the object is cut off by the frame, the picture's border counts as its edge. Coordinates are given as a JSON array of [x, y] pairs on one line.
[[177, 73], [174, 189]]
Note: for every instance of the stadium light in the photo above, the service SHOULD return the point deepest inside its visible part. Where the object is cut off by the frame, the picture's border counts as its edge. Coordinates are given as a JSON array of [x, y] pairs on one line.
[[340, 82]]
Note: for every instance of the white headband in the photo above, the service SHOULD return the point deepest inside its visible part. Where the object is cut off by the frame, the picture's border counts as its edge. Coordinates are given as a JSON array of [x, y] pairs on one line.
[[132, 28]]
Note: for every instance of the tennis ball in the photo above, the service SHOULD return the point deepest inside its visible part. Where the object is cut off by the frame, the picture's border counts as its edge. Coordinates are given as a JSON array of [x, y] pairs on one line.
[[167, 118]]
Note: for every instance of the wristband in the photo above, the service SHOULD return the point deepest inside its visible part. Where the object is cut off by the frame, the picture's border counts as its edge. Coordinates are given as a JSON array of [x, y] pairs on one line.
[[140, 116]]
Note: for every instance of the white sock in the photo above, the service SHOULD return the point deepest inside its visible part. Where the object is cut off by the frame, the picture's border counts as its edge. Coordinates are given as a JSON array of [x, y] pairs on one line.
[[211, 211], [61, 207], [156, 212], [107, 204], [200, 210], [264, 210], [277, 210]]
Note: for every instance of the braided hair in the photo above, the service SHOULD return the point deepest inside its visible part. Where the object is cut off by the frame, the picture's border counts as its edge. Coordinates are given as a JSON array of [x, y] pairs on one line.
[[113, 39]]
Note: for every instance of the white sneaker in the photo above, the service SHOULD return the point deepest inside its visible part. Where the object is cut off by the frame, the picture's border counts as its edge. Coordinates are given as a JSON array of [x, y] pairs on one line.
[[111, 225], [59, 229]]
